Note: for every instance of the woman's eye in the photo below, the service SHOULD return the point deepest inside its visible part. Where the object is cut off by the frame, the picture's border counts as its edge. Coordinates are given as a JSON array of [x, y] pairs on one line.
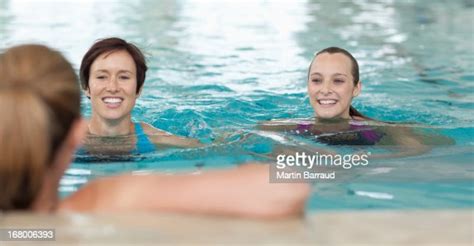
[[100, 77], [339, 81], [316, 80], [124, 77]]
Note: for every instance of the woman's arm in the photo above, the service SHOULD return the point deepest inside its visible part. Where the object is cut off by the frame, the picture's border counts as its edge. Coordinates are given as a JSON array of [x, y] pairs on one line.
[[175, 141], [276, 126], [404, 143], [165, 139], [244, 191]]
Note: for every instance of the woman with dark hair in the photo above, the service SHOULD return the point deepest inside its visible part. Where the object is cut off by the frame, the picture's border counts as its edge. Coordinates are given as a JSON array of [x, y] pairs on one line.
[[112, 75], [333, 82], [333, 99], [41, 126]]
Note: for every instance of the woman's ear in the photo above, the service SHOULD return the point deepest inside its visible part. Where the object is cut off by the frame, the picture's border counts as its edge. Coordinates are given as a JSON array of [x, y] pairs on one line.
[[88, 93], [357, 89], [139, 92]]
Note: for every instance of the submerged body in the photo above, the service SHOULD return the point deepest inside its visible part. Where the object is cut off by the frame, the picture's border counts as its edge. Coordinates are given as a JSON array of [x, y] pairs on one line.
[[355, 133], [144, 139], [401, 139]]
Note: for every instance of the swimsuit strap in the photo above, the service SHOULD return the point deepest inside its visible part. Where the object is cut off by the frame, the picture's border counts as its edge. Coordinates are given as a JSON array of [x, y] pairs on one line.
[[144, 144], [368, 134]]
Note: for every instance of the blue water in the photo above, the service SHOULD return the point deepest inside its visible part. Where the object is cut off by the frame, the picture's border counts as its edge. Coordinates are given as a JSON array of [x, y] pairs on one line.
[[217, 68]]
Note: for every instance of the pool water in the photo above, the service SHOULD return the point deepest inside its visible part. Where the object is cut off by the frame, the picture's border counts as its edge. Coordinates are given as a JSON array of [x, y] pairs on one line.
[[217, 68]]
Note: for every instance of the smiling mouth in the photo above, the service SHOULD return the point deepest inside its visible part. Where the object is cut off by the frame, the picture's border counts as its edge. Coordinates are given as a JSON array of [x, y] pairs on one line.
[[112, 101], [327, 102]]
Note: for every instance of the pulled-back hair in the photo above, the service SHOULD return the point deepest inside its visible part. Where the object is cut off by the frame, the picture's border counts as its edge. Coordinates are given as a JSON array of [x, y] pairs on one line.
[[110, 45], [39, 101], [354, 71]]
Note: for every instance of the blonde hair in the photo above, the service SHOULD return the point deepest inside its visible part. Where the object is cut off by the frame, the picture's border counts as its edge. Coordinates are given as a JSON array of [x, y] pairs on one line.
[[39, 101]]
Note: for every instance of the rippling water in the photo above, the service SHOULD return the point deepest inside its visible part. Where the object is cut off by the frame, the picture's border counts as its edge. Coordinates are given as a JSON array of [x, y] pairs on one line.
[[219, 67]]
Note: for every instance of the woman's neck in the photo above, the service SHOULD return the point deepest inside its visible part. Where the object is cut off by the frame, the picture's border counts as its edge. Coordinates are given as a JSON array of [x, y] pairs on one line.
[[47, 199], [102, 127]]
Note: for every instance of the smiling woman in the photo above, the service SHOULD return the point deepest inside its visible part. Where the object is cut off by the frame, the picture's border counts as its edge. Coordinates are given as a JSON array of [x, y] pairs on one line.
[[112, 75], [333, 82]]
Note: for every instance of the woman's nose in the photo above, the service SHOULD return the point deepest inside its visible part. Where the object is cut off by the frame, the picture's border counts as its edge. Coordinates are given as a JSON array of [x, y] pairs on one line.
[[112, 85], [326, 88]]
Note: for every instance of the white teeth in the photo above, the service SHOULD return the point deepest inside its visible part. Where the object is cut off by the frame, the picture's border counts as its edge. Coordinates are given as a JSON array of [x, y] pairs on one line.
[[326, 102], [112, 100]]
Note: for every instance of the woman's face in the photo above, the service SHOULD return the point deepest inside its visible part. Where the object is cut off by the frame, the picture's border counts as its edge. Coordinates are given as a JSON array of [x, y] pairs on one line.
[[331, 87], [113, 85]]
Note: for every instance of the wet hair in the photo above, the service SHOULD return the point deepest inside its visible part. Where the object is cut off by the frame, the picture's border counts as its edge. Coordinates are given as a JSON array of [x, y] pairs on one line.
[[39, 101], [354, 71], [109, 45]]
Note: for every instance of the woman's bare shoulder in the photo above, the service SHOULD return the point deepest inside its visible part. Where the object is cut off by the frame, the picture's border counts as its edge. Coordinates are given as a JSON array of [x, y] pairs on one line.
[[82, 200], [97, 195]]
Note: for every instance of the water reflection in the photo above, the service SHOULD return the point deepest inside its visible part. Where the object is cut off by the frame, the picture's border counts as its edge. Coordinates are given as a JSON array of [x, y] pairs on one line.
[[404, 48], [221, 66]]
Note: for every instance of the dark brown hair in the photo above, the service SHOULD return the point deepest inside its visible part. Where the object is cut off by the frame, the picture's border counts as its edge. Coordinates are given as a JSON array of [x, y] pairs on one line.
[[354, 71], [39, 101], [110, 45]]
